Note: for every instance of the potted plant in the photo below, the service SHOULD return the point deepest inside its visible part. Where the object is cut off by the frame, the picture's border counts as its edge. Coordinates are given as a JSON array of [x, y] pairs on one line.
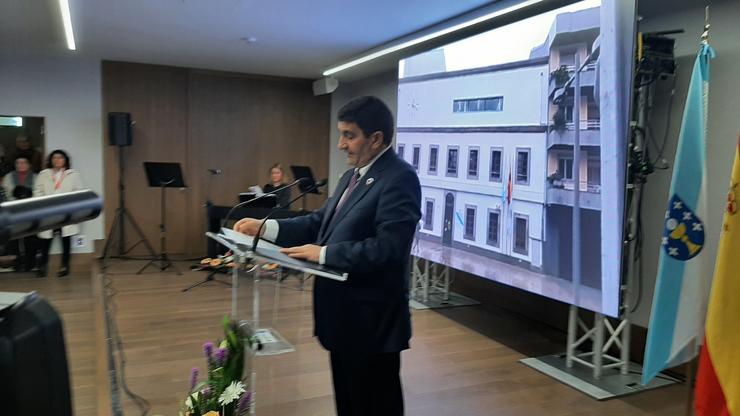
[[222, 393]]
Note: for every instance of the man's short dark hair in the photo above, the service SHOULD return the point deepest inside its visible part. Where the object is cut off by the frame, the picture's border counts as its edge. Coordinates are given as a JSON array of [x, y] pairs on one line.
[[370, 114]]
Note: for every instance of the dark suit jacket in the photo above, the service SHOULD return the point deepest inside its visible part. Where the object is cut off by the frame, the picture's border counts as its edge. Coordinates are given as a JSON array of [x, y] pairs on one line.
[[371, 240]]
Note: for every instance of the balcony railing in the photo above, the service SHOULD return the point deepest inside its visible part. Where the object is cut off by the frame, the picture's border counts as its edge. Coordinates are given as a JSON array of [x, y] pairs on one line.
[[589, 198], [590, 124], [590, 134]]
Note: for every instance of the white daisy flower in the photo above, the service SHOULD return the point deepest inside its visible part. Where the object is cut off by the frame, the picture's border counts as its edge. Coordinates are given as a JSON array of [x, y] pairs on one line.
[[231, 393]]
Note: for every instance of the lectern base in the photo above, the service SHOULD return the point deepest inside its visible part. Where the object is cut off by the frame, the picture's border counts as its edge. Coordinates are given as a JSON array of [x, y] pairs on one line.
[[272, 342]]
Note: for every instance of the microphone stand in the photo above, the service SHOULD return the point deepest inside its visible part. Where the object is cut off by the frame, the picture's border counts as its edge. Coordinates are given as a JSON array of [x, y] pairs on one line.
[[212, 273]]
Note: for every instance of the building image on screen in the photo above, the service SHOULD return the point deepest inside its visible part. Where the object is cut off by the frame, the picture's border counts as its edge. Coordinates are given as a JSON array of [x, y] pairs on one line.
[[487, 122]]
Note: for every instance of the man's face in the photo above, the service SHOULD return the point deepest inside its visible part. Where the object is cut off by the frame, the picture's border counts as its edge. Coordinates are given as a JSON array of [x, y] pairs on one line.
[[22, 143], [22, 165], [360, 149]]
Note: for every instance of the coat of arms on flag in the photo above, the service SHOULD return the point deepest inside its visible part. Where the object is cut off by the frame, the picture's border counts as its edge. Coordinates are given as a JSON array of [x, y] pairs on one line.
[[683, 232]]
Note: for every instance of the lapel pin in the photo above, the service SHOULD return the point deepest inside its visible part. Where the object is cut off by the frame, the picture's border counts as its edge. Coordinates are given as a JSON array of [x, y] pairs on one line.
[[369, 181]]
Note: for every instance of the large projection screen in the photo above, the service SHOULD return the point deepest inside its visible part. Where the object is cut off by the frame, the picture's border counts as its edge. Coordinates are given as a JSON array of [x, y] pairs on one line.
[[488, 123]]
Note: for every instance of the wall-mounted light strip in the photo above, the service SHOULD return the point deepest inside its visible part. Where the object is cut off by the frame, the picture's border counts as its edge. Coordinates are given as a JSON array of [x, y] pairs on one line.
[[67, 19], [433, 35]]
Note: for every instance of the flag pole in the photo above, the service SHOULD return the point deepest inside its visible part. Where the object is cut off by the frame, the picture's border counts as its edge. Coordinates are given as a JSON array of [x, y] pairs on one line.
[[692, 364], [690, 375]]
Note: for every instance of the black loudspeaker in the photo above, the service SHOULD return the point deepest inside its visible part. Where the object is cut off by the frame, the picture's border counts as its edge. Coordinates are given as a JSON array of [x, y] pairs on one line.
[[119, 129], [33, 359]]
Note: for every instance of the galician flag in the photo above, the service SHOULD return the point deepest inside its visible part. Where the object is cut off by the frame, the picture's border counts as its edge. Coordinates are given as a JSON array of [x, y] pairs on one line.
[[684, 275], [718, 380]]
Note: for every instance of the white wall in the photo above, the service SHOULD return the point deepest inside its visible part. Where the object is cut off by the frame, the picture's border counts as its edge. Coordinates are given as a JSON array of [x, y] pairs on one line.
[[428, 103], [66, 91]]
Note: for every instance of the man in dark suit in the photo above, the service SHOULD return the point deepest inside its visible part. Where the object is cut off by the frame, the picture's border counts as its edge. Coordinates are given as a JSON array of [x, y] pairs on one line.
[[366, 228]]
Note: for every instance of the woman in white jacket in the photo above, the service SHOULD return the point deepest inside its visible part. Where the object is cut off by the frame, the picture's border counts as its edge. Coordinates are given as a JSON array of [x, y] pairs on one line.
[[58, 178]]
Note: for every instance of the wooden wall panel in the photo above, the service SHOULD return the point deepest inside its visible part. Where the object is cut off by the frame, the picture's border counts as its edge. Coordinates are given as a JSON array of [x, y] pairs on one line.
[[156, 97], [238, 123]]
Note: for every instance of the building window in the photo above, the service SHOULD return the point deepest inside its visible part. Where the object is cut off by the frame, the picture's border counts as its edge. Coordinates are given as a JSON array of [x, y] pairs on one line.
[[565, 167], [433, 152], [494, 217], [522, 166], [521, 233], [594, 171], [400, 150], [469, 222], [452, 161], [474, 105], [415, 157], [473, 163], [495, 172], [429, 214], [569, 113]]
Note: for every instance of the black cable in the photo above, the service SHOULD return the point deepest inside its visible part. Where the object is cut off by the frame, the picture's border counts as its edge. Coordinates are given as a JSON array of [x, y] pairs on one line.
[[639, 238], [109, 293], [661, 148]]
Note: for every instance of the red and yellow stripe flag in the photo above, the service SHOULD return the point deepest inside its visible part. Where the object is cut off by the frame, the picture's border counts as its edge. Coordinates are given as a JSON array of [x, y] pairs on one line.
[[718, 380]]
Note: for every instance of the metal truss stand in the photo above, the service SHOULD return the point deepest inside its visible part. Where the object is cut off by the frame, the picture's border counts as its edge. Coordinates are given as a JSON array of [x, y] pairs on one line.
[[598, 359], [430, 286]]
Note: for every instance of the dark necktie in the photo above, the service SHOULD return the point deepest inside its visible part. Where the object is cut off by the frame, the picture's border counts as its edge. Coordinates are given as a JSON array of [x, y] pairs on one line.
[[350, 188]]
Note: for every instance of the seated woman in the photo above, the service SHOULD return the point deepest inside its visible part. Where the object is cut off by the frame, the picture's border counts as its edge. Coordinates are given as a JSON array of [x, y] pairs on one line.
[[276, 182]]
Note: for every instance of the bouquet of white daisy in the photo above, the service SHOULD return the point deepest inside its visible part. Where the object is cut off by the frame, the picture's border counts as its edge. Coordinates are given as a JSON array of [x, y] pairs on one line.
[[222, 393]]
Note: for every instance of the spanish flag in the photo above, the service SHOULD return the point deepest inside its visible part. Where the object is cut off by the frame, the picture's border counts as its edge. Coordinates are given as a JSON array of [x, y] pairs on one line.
[[718, 380]]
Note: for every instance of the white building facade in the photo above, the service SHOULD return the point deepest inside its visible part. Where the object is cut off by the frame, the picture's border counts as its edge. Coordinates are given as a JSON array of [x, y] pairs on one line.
[[470, 134]]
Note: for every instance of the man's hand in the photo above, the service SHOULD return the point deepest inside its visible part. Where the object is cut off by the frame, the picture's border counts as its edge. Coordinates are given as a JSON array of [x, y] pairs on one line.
[[308, 252], [248, 226]]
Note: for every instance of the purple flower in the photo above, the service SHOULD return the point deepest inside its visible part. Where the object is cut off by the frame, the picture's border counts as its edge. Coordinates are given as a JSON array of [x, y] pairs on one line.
[[208, 351], [193, 378], [206, 392], [244, 403], [221, 355]]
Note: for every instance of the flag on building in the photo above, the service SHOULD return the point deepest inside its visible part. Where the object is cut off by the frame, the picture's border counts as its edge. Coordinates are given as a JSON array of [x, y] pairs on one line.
[[718, 380], [684, 274], [509, 188]]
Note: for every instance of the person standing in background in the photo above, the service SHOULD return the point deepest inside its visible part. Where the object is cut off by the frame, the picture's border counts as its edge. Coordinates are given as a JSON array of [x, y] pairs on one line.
[[58, 178], [24, 148], [276, 182], [18, 184]]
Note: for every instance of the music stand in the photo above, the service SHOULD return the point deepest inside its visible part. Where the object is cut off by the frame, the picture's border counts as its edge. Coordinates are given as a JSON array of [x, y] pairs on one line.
[[163, 175], [307, 183]]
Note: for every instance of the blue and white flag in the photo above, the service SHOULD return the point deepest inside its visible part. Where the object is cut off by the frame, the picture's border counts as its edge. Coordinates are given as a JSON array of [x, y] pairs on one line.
[[684, 274]]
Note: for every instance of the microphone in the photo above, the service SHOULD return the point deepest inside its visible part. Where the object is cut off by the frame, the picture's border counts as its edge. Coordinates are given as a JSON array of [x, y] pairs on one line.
[[241, 204], [257, 236], [214, 171]]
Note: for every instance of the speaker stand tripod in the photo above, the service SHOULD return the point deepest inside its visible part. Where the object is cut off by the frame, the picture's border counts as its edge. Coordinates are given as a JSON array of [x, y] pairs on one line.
[[163, 258], [117, 234]]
